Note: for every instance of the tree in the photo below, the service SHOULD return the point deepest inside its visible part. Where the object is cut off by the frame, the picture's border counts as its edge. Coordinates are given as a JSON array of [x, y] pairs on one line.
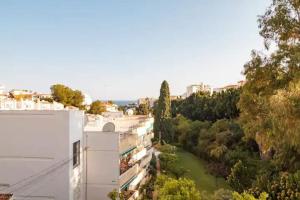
[[77, 99], [115, 195], [67, 96], [97, 107], [143, 109], [179, 189], [281, 23], [247, 196], [203, 106], [162, 112], [240, 177], [222, 194], [284, 186], [269, 114], [167, 161]]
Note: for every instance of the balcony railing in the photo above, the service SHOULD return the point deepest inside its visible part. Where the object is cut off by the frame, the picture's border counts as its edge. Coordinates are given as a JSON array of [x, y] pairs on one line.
[[148, 140], [127, 143], [146, 160], [129, 175]]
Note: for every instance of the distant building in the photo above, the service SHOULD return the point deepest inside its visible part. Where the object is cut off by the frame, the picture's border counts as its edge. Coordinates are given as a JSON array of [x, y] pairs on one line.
[[147, 100], [112, 115], [111, 107], [231, 86], [174, 97], [8, 103], [191, 89], [129, 112], [22, 94], [27, 100], [87, 100], [2, 89], [41, 96]]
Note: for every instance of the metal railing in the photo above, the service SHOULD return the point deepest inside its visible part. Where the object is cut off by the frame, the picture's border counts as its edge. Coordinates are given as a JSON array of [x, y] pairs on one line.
[[128, 142], [129, 175], [146, 160]]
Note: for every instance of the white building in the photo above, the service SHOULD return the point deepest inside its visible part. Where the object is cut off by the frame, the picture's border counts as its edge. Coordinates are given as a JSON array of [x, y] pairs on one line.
[[7, 103], [129, 112], [191, 89], [118, 153], [66, 155], [239, 84], [147, 100], [2, 89], [41, 155], [111, 107], [87, 101], [22, 94]]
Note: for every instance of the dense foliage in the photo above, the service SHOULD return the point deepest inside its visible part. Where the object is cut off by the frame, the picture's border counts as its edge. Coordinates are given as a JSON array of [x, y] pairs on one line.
[[169, 161], [97, 107], [247, 196], [260, 150], [163, 112], [67, 96], [179, 189], [250, 135], [270, 99], [143, 109], [206, 107]]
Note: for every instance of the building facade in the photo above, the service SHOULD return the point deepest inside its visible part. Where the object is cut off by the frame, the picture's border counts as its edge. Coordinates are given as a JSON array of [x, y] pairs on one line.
[[148, 100], [8, 103], [118, 154], [191, 89], [239, 84], [41, 154], [71, 156]]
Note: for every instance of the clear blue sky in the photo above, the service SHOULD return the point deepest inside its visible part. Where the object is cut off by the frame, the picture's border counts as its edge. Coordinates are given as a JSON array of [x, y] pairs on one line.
[[124, 49]]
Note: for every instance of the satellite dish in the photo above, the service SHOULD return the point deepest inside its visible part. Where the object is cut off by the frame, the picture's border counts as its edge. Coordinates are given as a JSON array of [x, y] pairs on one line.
[[109, 127]]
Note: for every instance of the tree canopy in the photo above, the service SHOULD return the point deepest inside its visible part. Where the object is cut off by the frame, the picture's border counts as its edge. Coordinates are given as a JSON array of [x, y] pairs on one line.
[[269, 102], [97, 107], [176, 189], [67, 96], [163, 112], [206, 107]]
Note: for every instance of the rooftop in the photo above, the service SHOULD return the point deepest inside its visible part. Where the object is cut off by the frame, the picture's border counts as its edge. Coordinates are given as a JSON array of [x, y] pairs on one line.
[[122, 124]]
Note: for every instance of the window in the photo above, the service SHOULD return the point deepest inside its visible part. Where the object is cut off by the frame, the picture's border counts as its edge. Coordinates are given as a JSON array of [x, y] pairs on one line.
[[76, 153]]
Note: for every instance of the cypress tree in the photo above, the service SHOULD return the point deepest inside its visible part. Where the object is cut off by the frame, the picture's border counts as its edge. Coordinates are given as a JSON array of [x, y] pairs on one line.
[[162, 111]]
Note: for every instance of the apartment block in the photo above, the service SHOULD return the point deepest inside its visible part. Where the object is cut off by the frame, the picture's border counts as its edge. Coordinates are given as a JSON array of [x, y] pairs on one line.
[[118, 153]]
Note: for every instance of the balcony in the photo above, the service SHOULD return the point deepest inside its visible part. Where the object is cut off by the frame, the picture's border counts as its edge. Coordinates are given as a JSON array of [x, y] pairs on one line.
[[147, 142], [139, 154], [138, 179], [146, 161], [128, 175], [128, 142]]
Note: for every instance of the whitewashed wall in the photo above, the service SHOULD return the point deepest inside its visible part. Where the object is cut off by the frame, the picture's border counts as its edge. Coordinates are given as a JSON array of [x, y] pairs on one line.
[[35, 146], [102, 163]]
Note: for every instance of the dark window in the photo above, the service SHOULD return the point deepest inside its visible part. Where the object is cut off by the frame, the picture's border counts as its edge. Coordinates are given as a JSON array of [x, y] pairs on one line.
[[76, 153]]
